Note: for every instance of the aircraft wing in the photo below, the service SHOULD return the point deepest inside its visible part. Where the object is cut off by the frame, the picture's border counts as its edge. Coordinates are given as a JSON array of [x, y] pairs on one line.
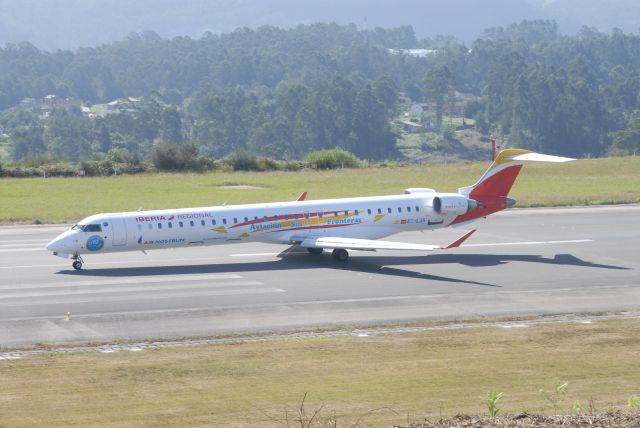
[[372, 245]]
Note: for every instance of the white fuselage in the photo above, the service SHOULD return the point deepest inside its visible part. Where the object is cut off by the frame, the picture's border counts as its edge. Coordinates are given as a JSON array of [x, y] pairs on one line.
[[286, 223]]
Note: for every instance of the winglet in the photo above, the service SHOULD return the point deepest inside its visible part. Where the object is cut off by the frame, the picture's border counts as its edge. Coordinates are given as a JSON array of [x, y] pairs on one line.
[[302, 196], [459, 241]]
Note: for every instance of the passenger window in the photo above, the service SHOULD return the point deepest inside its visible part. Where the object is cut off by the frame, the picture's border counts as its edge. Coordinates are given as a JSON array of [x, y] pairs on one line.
[[417, 208], [399, 209], [180, 224], [235, 220], [356, 212], [379, 211], [213, 222], [246, 219], [320, 215], [159, 225], [408, 209], [170, 225], [201, 222], [306, 215], [346, 213], [335, 214], [266, 218], [224, 221], [286, 216], [150, 226], [369, 211], [191, 223], [255, 218], [389, 210]]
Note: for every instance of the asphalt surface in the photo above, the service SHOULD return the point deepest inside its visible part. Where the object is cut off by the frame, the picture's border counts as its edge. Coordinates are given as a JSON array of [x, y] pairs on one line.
[[520, 262]]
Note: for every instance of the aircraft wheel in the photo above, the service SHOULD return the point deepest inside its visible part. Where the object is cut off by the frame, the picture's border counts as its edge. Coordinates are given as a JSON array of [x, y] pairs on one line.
[[315, 250], [340, 254], [77, 265]]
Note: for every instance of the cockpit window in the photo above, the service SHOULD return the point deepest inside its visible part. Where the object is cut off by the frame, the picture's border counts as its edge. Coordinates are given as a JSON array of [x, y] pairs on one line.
[[87, 227]]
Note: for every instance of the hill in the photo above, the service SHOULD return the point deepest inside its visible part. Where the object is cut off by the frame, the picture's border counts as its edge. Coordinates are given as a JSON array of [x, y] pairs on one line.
[[70, 24]]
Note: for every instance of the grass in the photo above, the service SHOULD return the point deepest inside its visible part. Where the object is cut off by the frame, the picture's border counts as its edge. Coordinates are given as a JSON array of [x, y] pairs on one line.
[[4, 150], [457, 120], [596, 181], [383, 379]]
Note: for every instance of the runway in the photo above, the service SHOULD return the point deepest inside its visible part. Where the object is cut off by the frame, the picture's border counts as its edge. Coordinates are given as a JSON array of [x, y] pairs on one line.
[[519, 262]]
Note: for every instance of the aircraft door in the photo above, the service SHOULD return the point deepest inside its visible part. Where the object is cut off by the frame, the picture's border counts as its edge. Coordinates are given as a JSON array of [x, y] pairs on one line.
[[119, 231]]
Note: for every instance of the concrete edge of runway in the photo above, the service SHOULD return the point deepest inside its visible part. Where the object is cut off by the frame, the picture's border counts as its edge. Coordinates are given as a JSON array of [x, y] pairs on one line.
[[355, 331]]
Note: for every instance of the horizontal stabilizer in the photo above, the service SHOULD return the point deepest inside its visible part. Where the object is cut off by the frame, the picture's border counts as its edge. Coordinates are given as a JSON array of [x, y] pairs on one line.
[[538, 157], [460, 241], [372, 244]]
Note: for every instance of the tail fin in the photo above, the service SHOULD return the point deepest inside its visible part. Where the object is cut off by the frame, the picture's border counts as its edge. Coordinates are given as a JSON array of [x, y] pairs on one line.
[[498, 179], [491, 190]]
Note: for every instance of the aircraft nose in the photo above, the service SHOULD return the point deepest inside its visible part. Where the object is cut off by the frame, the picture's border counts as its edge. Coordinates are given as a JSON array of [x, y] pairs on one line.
[[54, 245], [60, 243]]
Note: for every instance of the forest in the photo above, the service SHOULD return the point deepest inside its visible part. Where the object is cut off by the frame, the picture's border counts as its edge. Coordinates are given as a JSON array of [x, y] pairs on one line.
[[284, 93]]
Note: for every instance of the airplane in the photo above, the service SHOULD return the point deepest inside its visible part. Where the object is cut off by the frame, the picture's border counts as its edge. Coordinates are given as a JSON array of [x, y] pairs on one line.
[[338, 225]]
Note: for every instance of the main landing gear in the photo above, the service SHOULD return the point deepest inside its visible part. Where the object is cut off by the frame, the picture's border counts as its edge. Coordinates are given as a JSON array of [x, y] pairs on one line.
[[340, 254], [77, 262]]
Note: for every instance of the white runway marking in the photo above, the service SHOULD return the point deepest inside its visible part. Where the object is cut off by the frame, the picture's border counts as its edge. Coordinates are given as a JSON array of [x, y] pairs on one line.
[[183, 289], [25, 244], [168, 295], [499, 244], [123, 281], [21, 250], [16, 241], [244, 307], [253, 254], [121, 262]]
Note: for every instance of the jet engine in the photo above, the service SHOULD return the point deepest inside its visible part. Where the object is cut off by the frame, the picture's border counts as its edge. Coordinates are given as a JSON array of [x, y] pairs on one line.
[[453, 204]]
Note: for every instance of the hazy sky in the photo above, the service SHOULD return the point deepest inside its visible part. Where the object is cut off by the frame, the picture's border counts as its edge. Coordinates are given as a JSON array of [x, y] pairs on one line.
[[53, 24]]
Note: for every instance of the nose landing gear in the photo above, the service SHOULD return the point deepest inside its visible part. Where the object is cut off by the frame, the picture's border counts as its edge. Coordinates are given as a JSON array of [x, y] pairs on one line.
[[77, 262]]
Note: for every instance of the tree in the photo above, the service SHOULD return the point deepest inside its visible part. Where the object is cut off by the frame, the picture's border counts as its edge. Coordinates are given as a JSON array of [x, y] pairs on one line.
[[28, 142], [437, 85], [627, 141]]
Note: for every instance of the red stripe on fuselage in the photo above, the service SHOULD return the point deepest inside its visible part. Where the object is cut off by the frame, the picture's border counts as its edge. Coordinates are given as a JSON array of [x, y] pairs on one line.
[[320, 226]]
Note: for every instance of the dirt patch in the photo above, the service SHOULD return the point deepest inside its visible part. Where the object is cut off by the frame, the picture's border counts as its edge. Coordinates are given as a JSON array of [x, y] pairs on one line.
[[241, 187], [610, 419]]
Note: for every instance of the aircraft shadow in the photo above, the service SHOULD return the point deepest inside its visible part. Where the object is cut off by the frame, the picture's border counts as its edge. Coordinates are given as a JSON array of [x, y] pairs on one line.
[[376, 265], [487, 260], [288, 263]]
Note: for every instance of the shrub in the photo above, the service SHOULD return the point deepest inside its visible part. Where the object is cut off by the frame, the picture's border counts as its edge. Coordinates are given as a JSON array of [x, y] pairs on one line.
[[59, 170], [174, 157], [242, 160], [293, 165], [267, 164], [332, 159], [556, 397], [491, 400]]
